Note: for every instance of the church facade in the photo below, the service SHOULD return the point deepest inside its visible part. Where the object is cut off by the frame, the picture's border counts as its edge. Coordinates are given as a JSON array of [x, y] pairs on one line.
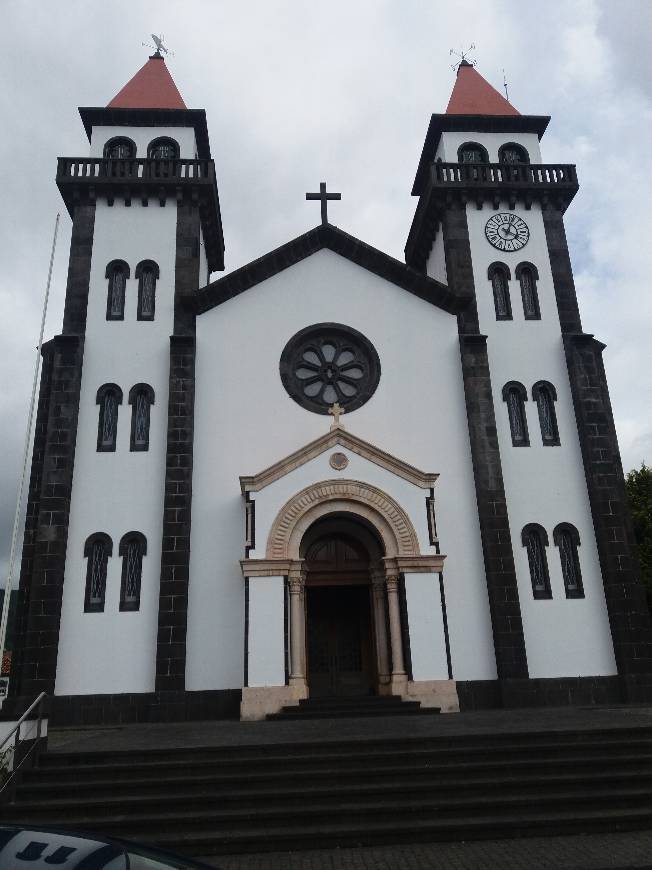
[[328, 472]]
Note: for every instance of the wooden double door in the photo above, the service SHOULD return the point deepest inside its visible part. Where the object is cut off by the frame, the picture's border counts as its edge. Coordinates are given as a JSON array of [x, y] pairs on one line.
[[339, 640]]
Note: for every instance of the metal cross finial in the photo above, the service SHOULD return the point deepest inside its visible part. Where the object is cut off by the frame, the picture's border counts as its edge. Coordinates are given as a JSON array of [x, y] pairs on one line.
[[463, 58], [324, 197], [336, 412], [159, 48]]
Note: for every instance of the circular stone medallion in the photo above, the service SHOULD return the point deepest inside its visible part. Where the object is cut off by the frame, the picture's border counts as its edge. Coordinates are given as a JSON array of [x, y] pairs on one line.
[[328, 363], [339, 461]]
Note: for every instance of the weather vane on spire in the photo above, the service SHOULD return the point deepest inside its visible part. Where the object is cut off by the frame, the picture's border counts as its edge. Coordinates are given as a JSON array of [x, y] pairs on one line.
[[463, 57], [159, 48]]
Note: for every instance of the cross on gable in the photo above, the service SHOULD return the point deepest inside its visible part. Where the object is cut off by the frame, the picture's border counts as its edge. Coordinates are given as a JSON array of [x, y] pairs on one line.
[[336, 411], [324, 197]]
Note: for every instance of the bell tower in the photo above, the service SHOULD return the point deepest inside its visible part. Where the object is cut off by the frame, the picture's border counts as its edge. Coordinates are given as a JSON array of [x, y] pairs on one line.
[[105, 562], [556, 536]]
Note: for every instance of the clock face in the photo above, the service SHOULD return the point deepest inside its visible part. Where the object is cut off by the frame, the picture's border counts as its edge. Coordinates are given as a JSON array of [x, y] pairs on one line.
[[507, 232]]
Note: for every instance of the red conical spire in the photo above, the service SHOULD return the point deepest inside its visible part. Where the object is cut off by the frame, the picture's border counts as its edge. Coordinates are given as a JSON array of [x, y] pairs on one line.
[[151, 88], [473, 95]]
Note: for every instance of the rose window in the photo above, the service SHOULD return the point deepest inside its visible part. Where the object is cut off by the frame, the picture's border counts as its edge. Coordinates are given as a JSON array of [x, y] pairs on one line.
[[330, 363]]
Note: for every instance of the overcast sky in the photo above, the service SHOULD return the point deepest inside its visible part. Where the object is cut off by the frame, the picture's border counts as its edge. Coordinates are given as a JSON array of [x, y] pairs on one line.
[[297, 93]]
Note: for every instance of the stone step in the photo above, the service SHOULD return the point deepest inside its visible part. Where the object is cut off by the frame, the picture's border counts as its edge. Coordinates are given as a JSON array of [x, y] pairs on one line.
[[395, 789], [278, 817], [209, 842]]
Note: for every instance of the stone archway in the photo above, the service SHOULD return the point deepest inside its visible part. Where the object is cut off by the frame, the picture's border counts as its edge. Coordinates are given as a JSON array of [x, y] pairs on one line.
[[391, 522]]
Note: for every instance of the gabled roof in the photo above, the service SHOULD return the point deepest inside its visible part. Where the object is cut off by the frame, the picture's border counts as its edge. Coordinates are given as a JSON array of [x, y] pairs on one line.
[[473, 95], [326, 236], [151, 88], [338, 436]]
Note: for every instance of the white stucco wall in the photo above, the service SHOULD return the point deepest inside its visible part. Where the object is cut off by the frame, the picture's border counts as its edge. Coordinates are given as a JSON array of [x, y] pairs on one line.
[[142, 136], [245, 421], [436, 263], [451, 141], [122, 491], [266, 638], [545, 485], [426, 620]]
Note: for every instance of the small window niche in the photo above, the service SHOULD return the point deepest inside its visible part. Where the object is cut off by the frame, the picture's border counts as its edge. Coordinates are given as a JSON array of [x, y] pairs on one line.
[[515, 397], [527, 276], [133, 547], [535, 540], [109, 399], [147, 273], [141, 399], [567, 539], [97, 550], [545, 395], [500, 276], [117, 273]]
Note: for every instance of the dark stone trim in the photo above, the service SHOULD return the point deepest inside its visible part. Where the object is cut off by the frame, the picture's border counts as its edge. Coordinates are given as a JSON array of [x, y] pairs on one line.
[[44, 555], [444, 613], [111, 269], [177, 506], [126, 708], [507, 277], [518, 272], [79, 269], [32, 517], [504, 605], [96, 606], [405, 627], [334, 239], [547, 692], [629, 617], [518, 146], [500, 572], [113, 117], [562, 272], [246, 633], [473, 124], [177, 503], [431, 518], [250, 524]]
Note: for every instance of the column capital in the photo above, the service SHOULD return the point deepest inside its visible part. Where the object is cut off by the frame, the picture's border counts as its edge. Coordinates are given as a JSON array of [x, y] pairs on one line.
[[296, 584], [392, 583]]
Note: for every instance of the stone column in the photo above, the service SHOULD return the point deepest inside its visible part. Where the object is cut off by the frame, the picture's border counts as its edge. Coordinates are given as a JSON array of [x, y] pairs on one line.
[[380, 626], [399, 676], [296, 582]]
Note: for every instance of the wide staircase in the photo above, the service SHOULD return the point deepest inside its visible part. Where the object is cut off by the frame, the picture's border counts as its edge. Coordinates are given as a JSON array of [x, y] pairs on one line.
[[284, 794], [352, 707]]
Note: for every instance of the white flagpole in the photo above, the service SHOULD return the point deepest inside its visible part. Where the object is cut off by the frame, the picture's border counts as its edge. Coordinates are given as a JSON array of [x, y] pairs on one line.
[[28, 434]]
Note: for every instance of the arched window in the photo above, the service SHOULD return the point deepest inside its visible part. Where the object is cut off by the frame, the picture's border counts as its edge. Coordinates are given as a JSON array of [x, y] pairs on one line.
[[147, 273], [515, 397], [109, 398], [141, 398], [133, 547], [535, 540], [499, 275], [527, 275], [163, 149], [120, 148], [513, 153], [97, 549], [545, 396], [472, 152], [117, 272], [567, 538]]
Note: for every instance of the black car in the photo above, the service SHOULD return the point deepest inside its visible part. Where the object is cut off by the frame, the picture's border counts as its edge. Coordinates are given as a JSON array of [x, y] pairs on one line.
[[47, 849]]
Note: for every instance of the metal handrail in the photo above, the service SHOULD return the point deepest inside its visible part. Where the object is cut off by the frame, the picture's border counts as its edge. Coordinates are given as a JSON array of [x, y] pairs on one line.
[[36, 703]]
